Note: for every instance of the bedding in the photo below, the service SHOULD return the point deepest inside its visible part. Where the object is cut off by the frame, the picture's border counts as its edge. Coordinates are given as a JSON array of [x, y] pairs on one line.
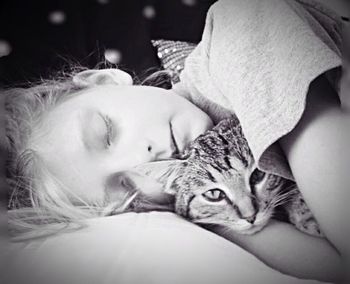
[[148, 248], [154, 248], [261, 69], [172, 55]]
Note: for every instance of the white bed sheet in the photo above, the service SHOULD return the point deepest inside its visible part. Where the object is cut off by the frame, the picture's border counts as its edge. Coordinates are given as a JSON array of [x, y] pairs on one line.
[[147, 248]]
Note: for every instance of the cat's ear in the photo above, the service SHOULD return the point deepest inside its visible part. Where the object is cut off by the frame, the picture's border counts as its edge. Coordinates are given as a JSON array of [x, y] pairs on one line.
[[121, 183], [90, 78]]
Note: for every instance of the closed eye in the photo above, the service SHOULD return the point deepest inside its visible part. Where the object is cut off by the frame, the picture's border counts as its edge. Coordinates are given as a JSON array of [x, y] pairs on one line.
[[214, 195], [109, 130]]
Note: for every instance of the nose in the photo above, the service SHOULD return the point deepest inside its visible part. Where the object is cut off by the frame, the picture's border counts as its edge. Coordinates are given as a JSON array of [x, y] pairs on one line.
[[250, 219], [246, 209]]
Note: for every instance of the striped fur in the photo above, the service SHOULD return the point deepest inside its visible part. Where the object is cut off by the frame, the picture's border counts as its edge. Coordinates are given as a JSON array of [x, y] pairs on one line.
[[217, 182]]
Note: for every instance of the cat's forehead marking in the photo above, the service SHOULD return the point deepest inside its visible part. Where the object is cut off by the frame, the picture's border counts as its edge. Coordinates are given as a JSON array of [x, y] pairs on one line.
[[237, 163]]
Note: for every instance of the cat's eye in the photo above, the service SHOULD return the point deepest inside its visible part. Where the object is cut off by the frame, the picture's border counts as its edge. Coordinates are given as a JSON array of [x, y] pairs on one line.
[[256, 177], [214, 195]]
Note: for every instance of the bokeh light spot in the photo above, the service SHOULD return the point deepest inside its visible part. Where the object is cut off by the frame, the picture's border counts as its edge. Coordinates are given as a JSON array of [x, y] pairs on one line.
[[5, 48], [149, 12], [103, 2], [113, 55], [57, 17], [189, 2]]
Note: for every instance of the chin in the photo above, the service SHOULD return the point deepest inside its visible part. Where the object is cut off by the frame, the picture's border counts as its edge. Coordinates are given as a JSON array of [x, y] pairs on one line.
[[261, 221], [252, 230]]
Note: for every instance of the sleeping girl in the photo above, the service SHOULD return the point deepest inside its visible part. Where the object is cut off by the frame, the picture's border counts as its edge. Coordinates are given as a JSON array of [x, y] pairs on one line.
[[274, 64]]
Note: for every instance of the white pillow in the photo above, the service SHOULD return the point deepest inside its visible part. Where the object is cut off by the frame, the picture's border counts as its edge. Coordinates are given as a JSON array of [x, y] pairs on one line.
[[147, 248]]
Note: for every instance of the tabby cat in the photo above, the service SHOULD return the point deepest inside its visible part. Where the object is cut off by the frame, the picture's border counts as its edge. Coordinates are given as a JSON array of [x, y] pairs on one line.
[[216, 181]]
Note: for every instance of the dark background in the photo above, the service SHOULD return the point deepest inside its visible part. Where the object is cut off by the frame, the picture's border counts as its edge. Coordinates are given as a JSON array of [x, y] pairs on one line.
[[39, 38]]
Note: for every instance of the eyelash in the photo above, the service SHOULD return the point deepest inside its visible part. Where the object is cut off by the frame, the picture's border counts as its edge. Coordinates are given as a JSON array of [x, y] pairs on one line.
[[108, 122]]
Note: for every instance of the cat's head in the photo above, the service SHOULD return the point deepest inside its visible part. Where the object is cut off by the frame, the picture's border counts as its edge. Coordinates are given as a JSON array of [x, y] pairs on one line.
[[242, 198]]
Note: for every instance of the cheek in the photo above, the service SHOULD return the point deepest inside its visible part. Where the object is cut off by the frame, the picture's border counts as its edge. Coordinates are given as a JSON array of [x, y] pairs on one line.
[[84, 186], [87, 193], [200, 209], [268, 190], [263, 197]]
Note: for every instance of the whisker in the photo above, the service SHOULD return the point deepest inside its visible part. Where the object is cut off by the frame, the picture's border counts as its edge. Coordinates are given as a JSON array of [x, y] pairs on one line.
[[283, 198], [291, 187]]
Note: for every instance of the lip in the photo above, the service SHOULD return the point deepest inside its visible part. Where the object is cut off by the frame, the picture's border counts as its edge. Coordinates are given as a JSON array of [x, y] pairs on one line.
[[174, 145]]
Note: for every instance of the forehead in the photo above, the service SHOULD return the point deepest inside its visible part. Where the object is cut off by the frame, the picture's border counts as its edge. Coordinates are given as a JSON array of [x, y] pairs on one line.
[[201, 173], [117, 98]]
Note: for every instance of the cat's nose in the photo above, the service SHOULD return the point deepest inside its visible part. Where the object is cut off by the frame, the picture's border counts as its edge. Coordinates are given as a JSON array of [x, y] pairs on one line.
[[250, 219]]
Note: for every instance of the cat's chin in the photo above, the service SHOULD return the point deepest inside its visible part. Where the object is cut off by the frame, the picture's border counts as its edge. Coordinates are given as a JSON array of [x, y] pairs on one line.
[[251, 231]]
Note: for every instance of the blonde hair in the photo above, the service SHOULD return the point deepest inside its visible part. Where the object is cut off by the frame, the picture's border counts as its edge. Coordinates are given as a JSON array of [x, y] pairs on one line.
[[38, 203]]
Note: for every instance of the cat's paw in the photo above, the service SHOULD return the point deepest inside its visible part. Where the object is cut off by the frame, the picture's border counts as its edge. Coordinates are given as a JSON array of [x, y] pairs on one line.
[[301, 216], [310, 227]]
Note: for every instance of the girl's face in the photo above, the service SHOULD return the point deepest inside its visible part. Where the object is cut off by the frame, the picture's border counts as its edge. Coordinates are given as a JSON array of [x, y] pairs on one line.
[[110, 128]]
